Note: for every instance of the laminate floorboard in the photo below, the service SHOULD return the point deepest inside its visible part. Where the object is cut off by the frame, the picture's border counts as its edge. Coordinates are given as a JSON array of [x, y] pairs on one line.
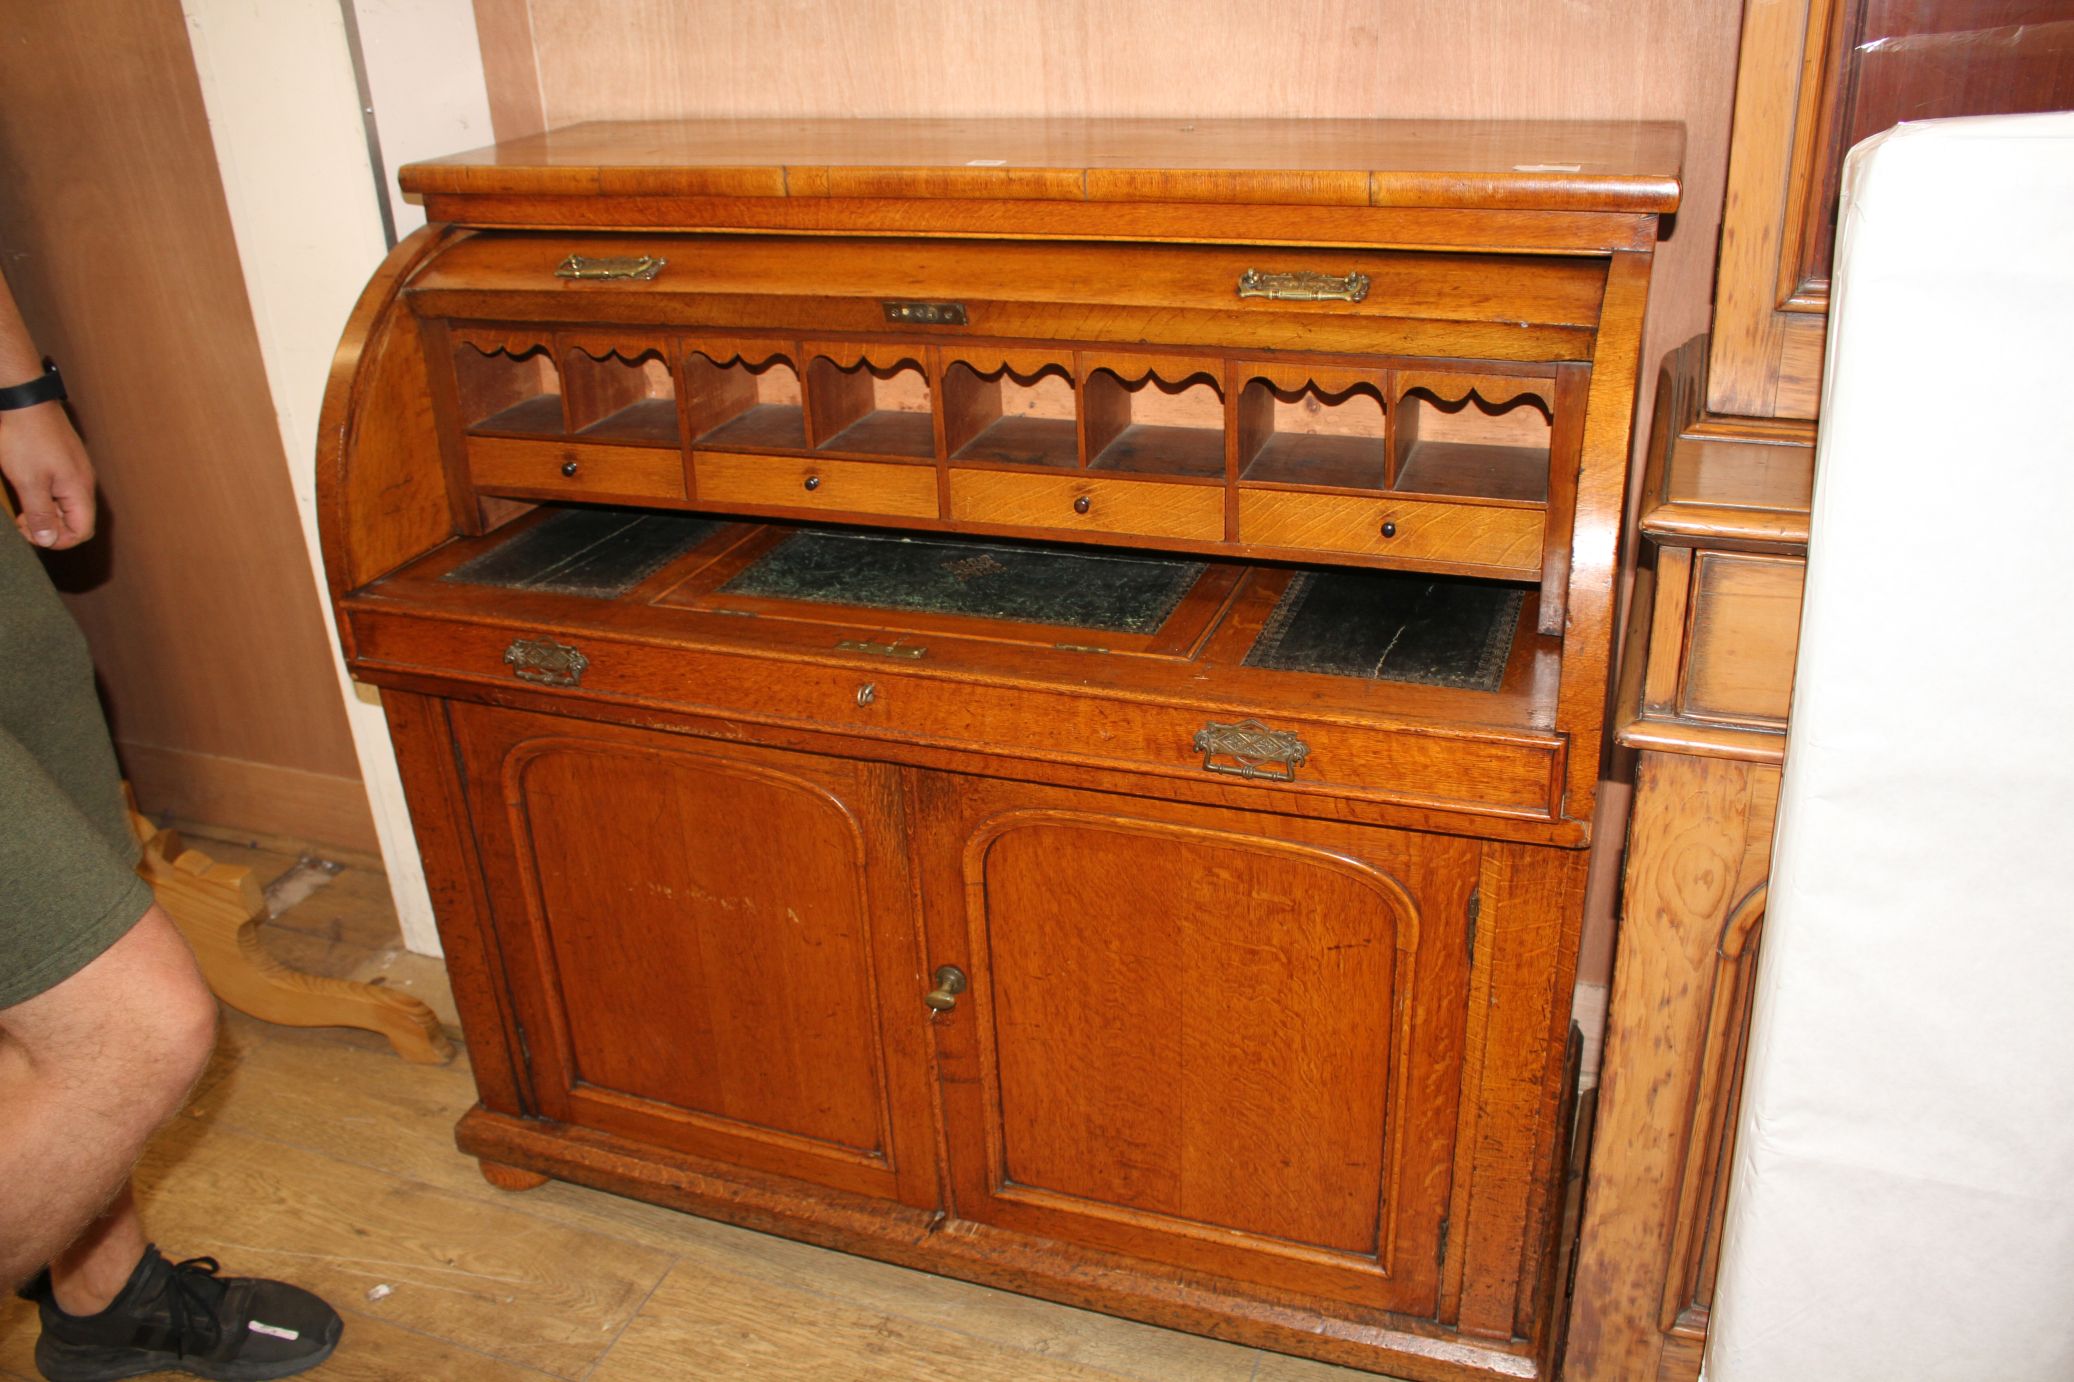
[[317, 1155]]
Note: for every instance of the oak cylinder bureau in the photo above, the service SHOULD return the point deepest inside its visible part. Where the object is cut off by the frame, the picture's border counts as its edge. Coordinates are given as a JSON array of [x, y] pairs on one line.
[[1021, 698]]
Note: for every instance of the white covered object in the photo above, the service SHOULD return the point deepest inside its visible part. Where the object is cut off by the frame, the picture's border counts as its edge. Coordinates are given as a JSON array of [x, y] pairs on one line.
[[1902, 1204]]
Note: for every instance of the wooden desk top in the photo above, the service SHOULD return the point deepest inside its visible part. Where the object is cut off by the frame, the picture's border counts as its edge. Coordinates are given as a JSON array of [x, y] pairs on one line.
[[1479, 165]]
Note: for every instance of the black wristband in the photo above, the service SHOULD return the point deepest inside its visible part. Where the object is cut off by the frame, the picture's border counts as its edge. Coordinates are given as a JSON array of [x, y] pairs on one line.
[[47, 387]]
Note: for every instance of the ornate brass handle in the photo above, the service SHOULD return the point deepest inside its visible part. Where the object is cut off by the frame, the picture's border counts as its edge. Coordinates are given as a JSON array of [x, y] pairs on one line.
[[1303, 285], [642, 266], [1255, 750], [950, 982], [545, 661]]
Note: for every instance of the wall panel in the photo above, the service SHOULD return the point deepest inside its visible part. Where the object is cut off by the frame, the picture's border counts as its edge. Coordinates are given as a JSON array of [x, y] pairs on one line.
[[197, 599]]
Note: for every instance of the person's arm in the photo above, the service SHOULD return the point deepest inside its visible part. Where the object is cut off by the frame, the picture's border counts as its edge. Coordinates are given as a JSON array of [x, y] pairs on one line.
[[40, 454]]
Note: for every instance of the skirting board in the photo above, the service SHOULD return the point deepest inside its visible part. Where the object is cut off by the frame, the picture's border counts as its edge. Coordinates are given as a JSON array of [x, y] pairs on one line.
[[261, 797]]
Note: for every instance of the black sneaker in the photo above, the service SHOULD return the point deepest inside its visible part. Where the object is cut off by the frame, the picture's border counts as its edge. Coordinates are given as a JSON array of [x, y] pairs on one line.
[[183, 1317]]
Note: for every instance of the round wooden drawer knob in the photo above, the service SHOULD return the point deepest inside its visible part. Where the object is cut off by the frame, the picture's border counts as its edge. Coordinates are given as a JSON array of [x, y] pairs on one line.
[[569, 469], [1389, 530], [813, 483], [1082, 504]]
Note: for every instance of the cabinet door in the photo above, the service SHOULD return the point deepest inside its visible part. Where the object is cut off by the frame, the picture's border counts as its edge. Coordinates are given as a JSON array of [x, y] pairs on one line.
[[1223, 1041], [707, 945]]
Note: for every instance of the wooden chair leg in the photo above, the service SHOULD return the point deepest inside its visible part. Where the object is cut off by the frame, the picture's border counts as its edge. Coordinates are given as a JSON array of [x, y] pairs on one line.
[[218, 908]]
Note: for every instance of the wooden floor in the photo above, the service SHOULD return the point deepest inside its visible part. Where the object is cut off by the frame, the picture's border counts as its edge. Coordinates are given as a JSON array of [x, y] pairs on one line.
[[318, 1156]]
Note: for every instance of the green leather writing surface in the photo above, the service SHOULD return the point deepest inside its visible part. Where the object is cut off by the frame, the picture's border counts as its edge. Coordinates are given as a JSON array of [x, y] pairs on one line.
[[1074, 587], [1392, 626]]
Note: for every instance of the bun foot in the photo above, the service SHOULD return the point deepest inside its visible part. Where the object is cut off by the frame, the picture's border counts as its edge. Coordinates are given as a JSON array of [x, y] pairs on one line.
[[510, 1177]]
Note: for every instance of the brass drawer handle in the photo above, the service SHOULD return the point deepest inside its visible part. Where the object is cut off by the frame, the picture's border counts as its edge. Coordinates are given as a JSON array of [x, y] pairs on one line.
[[950, 982], [1303, 285], [1256, 750], [546, 662], [643, 267]]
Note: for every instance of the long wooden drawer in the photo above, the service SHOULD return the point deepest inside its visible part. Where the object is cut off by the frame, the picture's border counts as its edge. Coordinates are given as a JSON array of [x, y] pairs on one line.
[[1091, 503], [1505, 541], [1511, 774], [574, 470], [820, 486]]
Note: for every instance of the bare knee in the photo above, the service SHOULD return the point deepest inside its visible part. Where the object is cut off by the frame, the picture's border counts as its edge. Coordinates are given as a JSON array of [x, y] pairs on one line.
[[130, 1033], [173, 1019]]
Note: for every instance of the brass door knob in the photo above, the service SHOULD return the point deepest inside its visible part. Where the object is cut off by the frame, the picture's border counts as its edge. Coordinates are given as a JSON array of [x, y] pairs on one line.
[[950, 982]]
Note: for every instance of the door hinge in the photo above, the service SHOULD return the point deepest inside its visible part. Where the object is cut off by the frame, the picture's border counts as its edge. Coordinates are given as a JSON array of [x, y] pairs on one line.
[[1469, 932]]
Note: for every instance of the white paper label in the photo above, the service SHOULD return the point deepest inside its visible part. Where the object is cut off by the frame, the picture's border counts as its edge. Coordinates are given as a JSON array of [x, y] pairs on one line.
[[272, 1331], [986, 163]]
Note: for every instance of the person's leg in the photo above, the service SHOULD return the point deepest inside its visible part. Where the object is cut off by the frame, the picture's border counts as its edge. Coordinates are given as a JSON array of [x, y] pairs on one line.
[[98, 1264], [89, 1069]]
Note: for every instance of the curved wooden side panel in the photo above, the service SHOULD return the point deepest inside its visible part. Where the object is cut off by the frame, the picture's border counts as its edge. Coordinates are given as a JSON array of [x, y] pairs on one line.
[[381, 485]]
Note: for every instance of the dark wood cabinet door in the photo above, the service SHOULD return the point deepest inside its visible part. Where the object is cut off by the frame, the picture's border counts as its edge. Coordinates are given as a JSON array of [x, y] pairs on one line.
[[1224, 1041], [711, 947]]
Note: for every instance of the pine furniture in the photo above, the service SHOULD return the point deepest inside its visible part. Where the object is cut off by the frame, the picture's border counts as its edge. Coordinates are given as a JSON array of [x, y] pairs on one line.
[[1714, 629]]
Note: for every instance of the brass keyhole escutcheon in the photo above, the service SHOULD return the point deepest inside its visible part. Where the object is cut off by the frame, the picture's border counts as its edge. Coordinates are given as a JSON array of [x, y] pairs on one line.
[[950, 982], [1082, 504]]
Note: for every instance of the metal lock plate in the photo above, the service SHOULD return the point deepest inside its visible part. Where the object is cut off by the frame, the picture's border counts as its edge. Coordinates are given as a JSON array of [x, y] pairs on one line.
[[926, 313], [642, 267]]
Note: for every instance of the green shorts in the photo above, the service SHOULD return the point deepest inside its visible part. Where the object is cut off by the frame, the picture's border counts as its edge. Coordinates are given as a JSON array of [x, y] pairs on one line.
[[68, 882]]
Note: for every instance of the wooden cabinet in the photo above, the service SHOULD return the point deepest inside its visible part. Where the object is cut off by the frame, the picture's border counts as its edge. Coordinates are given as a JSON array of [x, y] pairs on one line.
[[1033, 723]]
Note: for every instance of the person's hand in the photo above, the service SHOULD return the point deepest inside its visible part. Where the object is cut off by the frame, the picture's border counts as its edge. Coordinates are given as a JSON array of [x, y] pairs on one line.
[[43, 458]]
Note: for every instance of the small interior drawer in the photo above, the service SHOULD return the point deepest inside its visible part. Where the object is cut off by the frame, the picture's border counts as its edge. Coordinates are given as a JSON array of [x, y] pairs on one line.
[[1499, 540], [574, 470], [904, 491], [1065, 503]]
